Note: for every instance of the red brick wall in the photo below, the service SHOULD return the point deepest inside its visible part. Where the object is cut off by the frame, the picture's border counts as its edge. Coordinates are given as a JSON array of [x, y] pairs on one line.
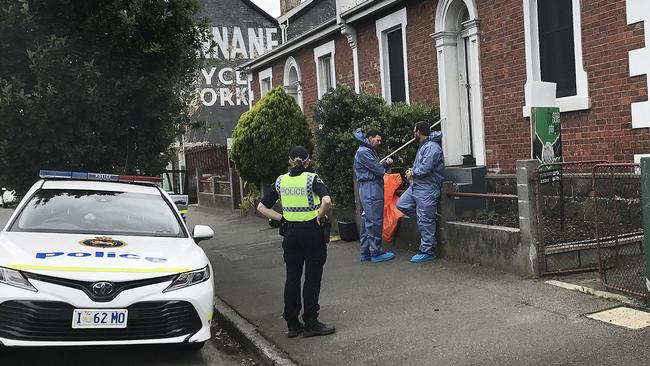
[[503, 71], [343, 59], [368, 53], [605, 131], [421, 52], [602, 132]]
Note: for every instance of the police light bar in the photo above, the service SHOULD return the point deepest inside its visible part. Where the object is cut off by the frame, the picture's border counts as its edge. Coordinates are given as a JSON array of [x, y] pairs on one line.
[[56, 174]]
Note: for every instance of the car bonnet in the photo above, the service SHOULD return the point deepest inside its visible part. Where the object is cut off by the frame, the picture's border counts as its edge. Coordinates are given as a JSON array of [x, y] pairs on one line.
[[92, 257]]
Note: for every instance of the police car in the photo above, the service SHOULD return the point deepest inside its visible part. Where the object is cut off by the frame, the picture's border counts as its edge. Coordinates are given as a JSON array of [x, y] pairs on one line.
[[102, 259]]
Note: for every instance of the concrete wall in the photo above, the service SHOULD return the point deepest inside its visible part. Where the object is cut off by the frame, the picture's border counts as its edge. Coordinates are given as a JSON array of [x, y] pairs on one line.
[[492, 246]]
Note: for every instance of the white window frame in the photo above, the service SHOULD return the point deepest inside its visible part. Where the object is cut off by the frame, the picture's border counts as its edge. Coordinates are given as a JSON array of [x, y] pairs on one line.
[[639, 59], [535, 88], [384, 26], [320, 51], [292, 63], [263, 75]]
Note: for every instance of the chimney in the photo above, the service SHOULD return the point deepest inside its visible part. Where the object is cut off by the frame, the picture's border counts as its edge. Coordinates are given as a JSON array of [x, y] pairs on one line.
[[286, 5]]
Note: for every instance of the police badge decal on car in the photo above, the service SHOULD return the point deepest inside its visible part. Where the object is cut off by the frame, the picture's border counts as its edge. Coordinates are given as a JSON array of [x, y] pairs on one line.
[[103, 242]]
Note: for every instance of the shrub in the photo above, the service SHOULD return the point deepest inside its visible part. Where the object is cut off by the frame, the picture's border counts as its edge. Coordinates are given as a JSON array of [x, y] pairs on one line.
[[339, 113], [264, 135]]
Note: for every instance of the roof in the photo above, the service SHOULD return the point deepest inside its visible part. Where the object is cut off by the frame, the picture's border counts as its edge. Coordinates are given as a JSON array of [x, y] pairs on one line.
[[262, 12], [303, 5]]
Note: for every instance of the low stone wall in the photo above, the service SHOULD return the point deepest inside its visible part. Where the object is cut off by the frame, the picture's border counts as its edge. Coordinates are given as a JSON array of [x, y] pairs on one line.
[[493, 246]]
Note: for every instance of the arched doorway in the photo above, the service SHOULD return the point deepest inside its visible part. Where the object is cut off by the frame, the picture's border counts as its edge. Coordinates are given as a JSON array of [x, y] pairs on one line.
[[292, 81], [459, 76]]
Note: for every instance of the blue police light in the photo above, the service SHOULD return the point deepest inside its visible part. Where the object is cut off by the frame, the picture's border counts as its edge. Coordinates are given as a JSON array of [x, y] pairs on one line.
[[56, 174], [61, 174]]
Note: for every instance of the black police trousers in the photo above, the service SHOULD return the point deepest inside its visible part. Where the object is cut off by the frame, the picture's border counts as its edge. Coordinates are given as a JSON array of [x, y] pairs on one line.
[[303, 247]]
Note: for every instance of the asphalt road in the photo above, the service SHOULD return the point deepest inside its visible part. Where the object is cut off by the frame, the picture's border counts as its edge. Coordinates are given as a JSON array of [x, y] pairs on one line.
[[222, 349]]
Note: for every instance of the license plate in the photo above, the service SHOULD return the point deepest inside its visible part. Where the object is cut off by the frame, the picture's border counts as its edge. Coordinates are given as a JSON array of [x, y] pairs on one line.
[[105, 318]]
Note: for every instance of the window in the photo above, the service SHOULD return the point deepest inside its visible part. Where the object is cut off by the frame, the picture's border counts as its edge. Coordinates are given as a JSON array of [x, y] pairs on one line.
[[292, 80], [325, 67], [325, 71], [391, 33], [99, 213], [266, 81], [554, 55], [556, 50], [396, 66]]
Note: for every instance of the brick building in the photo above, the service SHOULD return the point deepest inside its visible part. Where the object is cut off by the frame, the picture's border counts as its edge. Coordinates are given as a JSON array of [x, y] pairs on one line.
[[485, 63]]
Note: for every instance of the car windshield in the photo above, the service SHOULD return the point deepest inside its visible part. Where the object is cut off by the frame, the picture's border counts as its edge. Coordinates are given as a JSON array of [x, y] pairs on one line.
[[98, 212]]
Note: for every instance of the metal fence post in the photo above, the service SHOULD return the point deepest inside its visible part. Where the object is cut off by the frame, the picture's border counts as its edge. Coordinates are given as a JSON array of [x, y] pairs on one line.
[[526, 172], [645, 193]]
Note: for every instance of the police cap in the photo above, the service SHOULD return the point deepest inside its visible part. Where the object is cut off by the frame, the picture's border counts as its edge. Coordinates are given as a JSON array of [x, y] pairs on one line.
[[299, 152]]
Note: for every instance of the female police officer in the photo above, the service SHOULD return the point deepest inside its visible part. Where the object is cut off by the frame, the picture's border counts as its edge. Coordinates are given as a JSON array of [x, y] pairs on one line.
[[305, 201]]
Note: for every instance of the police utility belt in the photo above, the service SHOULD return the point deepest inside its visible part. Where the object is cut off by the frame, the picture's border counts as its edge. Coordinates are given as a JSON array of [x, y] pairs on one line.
[[324, 226]]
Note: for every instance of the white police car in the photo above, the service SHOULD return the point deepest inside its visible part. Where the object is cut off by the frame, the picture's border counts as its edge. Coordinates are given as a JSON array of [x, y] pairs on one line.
[[101, 259]]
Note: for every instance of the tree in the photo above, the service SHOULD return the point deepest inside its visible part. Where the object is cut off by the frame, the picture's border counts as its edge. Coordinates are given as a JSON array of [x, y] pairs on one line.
[[93, 85], [264, 135]]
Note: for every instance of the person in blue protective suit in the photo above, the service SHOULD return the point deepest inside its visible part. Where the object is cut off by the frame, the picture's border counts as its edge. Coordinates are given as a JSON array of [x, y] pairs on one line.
[[420, 201], [370, 174]]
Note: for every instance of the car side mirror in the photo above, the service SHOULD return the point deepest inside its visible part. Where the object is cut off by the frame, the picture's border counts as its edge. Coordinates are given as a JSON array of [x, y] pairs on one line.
[[202, 232], [4, 189]]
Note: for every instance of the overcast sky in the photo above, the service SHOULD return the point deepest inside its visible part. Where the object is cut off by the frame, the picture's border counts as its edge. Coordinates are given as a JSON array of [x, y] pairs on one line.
[[270, 6]]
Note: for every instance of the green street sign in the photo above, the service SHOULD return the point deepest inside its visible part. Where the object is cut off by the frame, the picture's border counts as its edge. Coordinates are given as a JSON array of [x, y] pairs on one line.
[[547, 141]]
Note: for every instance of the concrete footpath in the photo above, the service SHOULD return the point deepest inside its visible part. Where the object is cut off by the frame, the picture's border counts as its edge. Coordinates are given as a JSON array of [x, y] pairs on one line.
[[399, 313]]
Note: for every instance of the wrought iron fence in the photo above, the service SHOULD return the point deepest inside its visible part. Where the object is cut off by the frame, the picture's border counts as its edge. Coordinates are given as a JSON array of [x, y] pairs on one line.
[[618, 225], [566, 236]]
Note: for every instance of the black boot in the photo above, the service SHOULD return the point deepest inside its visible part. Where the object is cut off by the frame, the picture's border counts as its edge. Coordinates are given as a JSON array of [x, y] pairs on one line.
[[315, 328], [295, 329]]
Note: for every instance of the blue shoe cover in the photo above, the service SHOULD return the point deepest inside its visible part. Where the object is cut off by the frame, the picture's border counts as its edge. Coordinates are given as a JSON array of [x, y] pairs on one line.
[[382, 257], [422, 257], [364, 258]]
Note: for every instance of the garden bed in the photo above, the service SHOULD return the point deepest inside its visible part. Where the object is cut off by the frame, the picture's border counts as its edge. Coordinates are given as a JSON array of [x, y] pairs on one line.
[[494, 219]]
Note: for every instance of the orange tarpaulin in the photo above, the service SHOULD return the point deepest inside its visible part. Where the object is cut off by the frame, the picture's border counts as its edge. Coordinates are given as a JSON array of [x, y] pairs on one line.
[[391, 213]]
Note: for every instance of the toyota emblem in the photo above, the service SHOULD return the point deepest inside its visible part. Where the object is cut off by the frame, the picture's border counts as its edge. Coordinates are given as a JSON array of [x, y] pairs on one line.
[[102, 288]]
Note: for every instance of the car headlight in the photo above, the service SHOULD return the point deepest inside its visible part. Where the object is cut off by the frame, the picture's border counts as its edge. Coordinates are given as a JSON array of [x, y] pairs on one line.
[[14, 278], [187, 279]]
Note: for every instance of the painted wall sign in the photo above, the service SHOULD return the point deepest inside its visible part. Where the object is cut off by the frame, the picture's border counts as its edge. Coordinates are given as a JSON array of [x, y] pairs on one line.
[[220, 83]]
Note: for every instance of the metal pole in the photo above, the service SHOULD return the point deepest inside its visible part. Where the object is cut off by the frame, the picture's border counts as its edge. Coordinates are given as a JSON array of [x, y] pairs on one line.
[[561, 201], [409, 142], [645, 194]]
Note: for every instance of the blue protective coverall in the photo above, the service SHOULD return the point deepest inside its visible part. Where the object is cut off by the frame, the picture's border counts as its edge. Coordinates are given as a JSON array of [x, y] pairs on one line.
[[370, 174], [420, 201]]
